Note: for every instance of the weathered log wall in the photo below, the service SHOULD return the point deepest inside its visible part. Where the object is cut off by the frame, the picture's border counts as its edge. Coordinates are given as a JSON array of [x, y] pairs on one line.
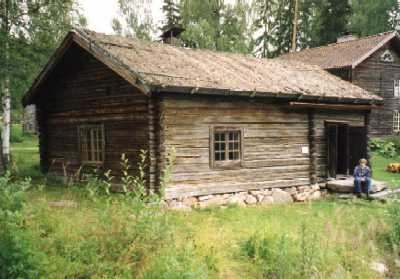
[[377, 77], [84, 91], [274, 135]]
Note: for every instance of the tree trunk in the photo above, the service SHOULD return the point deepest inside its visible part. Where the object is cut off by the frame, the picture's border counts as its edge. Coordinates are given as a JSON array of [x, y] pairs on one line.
[[6, 97], [5, 135], [295, 23]]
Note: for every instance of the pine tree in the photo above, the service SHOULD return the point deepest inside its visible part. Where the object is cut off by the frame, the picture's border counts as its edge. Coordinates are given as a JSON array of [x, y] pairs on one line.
[[265, 24], [372, 16], [172, 15], [334, 20], [284, 30]]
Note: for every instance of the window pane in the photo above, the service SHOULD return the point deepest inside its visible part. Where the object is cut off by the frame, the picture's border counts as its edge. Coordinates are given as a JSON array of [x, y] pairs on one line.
[[227, 146]]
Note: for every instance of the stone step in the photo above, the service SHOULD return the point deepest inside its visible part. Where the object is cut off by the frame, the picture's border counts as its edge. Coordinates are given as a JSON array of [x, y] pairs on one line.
[[347, 186], [388, 193]]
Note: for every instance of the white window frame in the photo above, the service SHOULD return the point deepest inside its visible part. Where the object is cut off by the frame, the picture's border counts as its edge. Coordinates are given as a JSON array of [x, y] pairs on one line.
[[396, 121], [226, 162], [396, 88], [91, 143]]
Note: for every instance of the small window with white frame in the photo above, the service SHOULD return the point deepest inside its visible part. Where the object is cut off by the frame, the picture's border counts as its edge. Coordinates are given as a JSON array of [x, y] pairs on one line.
[[226, 147], [396, 121], [396, 88], [91, 144]]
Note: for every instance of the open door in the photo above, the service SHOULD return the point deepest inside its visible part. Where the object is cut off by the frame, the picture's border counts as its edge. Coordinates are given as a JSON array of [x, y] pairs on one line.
[[358, 145], [346, 145]]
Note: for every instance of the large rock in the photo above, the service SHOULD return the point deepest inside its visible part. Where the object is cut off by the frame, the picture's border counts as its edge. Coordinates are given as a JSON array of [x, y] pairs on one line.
[[250, 199], [237, 199], [315, 196], [190, 201], [347, 185], [267, 200], [301, 197], [214, 201], [379, 267], [281, 196], [378, 186], [341, 185]]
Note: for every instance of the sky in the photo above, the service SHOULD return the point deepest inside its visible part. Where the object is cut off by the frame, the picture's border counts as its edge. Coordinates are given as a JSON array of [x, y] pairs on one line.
[[100, 13]]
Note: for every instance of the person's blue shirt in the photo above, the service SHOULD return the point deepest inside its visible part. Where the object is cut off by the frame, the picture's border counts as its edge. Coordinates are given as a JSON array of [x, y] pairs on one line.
[[362, 172]]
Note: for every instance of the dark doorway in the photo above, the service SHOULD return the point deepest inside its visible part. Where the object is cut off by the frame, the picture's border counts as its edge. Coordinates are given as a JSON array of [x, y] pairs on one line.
[[358, 145], [338, 149], [346, 145]]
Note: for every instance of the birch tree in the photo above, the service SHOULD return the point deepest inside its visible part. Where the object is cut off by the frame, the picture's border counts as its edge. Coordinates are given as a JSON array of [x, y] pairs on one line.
[[135, 20], [29, 32]]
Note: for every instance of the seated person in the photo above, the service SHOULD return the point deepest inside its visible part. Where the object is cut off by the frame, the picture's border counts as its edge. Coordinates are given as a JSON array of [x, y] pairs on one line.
[[362, 175]]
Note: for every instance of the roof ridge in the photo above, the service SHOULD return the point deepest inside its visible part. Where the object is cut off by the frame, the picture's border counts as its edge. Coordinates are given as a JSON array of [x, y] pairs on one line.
[[341, 43], [87, 32], [364, 38]]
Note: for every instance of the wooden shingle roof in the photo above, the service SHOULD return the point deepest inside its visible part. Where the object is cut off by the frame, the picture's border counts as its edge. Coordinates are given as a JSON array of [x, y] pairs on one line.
[[157, 67], [343, 54]]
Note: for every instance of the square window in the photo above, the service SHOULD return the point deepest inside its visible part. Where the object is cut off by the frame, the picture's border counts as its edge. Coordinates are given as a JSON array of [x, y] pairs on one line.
[[227, 147]]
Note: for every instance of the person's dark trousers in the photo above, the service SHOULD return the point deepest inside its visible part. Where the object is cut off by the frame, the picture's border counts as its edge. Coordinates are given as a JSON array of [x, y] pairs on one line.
[[358, 185]]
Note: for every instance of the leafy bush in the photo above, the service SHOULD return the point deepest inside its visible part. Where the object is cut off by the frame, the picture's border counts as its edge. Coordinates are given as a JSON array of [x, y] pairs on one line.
[[19, 257], [385, 147]]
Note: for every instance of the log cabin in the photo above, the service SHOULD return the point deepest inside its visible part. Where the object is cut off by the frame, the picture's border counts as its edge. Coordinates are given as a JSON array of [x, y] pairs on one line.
[[235, 123], [372, 63]]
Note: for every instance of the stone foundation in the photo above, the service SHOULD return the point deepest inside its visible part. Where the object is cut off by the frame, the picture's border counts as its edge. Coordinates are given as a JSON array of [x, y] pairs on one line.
[[250, 198]]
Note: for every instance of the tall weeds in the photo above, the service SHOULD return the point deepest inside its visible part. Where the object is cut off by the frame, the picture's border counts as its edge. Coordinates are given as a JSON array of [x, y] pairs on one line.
[[19, 257]]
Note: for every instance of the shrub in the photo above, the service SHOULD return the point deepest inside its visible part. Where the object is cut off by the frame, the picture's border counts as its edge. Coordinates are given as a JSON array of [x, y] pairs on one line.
[[386, 148], [18, 256]]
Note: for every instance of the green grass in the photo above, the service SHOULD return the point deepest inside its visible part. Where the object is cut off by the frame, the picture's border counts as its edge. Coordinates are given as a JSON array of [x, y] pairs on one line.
[[25, 154], [379, 164], [345, 236], [99, 236]]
